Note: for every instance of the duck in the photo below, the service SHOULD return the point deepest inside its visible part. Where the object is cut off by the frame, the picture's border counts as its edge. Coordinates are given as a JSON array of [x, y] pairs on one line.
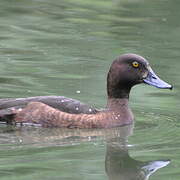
[[125, 72]]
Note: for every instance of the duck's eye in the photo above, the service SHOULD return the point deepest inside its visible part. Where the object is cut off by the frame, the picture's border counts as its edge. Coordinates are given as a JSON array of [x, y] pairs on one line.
[[135, 64]]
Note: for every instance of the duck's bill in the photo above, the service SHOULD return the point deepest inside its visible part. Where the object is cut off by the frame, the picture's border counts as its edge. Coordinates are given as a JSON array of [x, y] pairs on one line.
[[153, 80]]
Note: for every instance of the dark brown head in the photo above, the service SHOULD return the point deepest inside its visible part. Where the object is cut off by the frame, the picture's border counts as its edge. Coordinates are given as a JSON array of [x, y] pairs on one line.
[[128, 70]]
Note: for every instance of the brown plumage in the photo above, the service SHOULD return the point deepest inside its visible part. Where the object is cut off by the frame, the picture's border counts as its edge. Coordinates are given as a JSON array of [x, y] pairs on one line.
[[125, 72], [39, 113]]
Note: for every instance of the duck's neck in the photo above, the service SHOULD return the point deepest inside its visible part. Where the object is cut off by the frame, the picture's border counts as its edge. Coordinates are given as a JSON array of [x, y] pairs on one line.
[[119, 91], [117, 103], [118, 96], [121, 111]]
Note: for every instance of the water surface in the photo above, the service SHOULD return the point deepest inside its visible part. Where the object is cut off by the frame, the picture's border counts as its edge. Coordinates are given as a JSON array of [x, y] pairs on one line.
[[65, 47]]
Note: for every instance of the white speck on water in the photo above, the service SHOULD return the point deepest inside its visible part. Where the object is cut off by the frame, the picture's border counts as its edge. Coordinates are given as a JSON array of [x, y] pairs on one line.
[[164, 19], [28, 91], [130, 145], [62, 100], [78, 92], [77, 108]]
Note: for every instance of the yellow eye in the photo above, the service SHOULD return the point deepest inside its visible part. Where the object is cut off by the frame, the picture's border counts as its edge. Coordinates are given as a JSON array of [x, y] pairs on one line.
[[135, 64]]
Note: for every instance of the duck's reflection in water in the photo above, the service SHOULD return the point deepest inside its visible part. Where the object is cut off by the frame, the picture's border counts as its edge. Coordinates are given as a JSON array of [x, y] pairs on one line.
[[118, 163]]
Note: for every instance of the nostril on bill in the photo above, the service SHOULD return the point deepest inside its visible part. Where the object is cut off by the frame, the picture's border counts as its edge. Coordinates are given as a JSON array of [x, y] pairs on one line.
[[154, 77]]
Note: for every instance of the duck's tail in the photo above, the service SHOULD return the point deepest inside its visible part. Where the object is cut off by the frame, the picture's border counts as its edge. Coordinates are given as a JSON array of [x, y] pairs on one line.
[[7, 115]]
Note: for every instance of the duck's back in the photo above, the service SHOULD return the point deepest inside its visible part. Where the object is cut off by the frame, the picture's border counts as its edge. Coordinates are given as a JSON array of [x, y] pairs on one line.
[[59, 102], [62, 103]]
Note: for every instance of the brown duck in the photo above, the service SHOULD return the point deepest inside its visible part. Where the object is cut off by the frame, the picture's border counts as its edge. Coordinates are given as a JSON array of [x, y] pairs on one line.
[[57, 111]]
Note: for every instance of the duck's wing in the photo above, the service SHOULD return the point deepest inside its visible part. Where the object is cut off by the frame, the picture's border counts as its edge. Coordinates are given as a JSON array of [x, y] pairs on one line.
[[59, 102]]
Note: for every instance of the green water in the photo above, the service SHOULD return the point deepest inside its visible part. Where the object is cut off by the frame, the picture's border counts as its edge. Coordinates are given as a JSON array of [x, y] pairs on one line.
[[60, 47]]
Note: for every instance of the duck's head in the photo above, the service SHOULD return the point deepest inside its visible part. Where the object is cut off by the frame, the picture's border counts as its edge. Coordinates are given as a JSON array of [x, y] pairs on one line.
[[128, 70]]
